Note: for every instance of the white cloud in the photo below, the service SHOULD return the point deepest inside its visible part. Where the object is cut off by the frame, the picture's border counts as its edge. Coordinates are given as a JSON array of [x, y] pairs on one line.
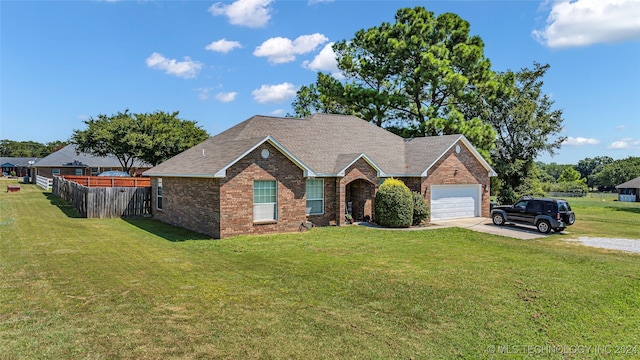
[[274, 93], [203, 93], [621, 127], [249, 13], [223, 46], [579, 141], [325, 61], [185, 69], [627, 143], [278, 112], [279, 50], [226, 97], [587, 22]]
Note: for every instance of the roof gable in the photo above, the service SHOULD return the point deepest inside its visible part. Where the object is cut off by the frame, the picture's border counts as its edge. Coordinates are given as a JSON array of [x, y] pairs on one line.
[[307, 172], [364, 157], [321, 145], [631, 184]]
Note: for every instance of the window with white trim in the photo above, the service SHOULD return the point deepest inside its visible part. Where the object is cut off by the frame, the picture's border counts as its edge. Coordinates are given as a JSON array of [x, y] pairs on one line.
[[265, 200], [159, 194], [315, 196], [95, 171], [78, 172], [55, 172]]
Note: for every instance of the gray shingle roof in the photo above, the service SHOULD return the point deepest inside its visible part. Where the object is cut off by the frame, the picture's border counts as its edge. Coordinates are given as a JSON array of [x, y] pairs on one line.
[[18, 161], [324, 144], [67, 156], [631, 184]]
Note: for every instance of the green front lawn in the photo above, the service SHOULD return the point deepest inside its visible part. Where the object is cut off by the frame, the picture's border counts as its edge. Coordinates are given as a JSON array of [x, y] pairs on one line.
[[605, 217], [104, 289]]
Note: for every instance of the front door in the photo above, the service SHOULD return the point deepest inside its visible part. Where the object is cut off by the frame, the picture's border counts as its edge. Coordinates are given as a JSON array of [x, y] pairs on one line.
[[359, 199]]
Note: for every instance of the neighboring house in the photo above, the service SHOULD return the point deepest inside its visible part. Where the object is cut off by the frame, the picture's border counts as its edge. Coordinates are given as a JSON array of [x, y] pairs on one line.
[[19, 165], [269, 175], [629, 191], [67, 161]]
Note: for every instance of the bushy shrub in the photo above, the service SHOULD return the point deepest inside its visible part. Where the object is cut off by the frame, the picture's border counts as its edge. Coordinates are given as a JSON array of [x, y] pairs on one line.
[[507, 196], [394, 204], [420, 209]]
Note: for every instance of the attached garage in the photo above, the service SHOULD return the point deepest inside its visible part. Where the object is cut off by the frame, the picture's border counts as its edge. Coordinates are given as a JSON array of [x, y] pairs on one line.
[[455, 201]]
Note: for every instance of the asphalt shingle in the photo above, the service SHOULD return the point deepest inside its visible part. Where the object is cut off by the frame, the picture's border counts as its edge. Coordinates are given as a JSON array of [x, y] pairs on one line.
[[324, 143]]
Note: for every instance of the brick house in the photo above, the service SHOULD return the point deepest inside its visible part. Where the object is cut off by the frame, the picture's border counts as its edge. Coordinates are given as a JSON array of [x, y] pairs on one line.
[[18, 165], [68, 161], [269, 175]]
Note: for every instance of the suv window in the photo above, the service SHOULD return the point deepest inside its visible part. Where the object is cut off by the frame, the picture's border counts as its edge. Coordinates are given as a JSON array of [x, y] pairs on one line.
[[549, 208], [563, 206], [534, 207], [521, 205]]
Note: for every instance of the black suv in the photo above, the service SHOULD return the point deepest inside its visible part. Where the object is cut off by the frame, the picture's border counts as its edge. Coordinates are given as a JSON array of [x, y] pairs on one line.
[[545, 214]]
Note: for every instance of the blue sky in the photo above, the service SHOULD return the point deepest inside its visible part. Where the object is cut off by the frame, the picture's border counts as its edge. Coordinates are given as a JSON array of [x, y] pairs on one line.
[[219, 63]]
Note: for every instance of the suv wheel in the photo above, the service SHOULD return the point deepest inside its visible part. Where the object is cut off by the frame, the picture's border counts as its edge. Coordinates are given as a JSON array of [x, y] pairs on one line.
[[543, 226], [571, 218], [498, 219]]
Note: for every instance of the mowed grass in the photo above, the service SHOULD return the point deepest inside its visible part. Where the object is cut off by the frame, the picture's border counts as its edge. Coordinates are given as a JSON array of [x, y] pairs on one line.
[[605, 218], [139, 289]]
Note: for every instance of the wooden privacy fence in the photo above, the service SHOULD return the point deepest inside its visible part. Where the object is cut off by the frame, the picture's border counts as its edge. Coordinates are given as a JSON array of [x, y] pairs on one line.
[[104, 202], [109, 181]]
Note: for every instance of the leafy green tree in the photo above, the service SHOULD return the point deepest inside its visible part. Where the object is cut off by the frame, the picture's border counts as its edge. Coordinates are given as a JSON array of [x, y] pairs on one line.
[[147, 137], [619, 171], [531, 186], [589, 167], [115, 135], [526, 125], [569, 174], [326, 96], [552, 170], [164, 135], [418, 76], [11, 148], [54, 146]]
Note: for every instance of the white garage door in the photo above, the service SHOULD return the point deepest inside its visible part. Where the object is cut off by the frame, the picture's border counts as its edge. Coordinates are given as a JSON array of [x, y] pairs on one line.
[[455, 201]]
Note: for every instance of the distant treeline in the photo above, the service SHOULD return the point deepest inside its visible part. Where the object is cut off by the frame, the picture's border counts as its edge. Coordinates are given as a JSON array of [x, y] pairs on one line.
[[11, 148], [601, 172]]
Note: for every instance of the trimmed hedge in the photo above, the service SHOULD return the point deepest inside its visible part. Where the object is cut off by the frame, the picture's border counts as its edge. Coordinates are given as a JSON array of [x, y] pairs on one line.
[[394, 204], [420, 209]]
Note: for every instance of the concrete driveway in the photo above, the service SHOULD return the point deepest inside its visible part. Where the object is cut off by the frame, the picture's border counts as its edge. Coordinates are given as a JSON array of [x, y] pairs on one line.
[[485, 225], [476, 224]]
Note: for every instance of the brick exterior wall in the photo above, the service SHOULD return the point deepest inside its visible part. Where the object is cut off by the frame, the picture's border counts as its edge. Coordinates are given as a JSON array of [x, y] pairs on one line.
[[224, 207], [458, 169], [191, 203], [330, 208], [236, 192], [48, 171], [359, 176]]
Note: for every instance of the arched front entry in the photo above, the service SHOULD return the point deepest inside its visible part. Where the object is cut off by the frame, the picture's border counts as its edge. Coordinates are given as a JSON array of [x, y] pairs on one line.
[[360, 194]]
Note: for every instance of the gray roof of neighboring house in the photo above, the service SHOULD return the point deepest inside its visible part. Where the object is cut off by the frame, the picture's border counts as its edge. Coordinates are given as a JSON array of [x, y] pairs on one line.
[[18, 161], [631, 184], [69, 157], [323, 145]]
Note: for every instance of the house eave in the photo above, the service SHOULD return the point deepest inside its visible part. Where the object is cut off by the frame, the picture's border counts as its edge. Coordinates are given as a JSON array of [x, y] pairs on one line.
[[363, 156], [180, 175], [307, 172], [471, 148]]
